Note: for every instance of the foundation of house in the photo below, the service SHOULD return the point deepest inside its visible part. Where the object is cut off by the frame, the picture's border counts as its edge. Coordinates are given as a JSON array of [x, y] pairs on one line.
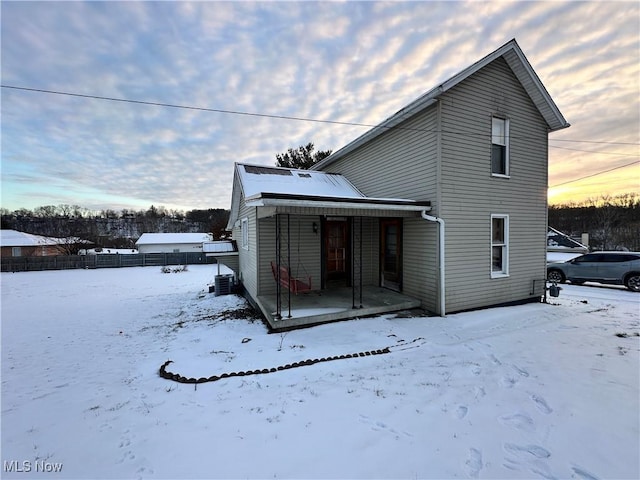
[[330, 305]]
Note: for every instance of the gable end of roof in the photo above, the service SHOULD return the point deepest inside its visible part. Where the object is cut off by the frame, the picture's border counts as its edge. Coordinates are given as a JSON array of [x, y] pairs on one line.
[[518, 63]]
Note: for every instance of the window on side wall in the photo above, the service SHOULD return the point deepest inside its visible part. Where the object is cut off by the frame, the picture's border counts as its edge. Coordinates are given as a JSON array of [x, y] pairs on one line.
[[499, 147], [244, 226], [499, 246]]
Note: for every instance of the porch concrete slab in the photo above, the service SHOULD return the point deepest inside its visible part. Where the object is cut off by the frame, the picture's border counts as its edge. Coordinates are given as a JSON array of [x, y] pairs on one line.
[[332, 304]]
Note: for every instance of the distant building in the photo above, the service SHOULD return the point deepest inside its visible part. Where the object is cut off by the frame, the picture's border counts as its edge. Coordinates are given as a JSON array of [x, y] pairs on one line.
[[172, 242], [20, 244], [560, 242]]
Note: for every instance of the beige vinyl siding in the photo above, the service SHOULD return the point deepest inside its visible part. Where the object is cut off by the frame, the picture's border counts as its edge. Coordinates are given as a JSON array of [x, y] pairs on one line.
[[230, 261], [247, 258], [420, 257], [305, 249], [470, 194], [400, 163]]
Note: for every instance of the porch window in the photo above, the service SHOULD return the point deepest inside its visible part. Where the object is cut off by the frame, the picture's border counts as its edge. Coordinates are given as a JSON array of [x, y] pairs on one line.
[[499, 246], [244, 227], [499, 147]]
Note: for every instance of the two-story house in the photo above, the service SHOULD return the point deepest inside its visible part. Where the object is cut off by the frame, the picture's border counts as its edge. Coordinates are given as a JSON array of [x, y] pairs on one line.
[[443, 206]]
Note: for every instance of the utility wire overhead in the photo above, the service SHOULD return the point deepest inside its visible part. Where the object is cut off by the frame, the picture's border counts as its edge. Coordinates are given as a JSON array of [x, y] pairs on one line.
[[595, 152], [281, 117], [595, 174]]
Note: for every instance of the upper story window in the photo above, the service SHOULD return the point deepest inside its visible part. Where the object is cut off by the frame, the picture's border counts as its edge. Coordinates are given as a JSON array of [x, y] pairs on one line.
[[499, 146]]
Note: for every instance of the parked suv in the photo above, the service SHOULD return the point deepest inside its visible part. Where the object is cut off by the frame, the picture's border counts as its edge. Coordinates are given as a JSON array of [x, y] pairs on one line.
[[616, 268]]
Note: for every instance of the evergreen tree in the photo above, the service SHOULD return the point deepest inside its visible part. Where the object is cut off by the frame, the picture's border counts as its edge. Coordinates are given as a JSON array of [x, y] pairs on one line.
[[302, 157]]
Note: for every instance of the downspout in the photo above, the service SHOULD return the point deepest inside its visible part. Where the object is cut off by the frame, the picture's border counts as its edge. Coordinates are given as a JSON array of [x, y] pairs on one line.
[[440, 221]]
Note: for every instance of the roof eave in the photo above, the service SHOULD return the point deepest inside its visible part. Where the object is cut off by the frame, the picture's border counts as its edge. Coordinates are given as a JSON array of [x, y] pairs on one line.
[[270, 200]]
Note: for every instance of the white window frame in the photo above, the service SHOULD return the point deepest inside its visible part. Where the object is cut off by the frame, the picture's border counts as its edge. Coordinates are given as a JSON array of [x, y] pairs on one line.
[[244, 228], [503, 244], [502, 139]]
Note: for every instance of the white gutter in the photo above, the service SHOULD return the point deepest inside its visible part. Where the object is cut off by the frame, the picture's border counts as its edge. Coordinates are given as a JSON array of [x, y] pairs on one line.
[[431, 218], [280, 202]]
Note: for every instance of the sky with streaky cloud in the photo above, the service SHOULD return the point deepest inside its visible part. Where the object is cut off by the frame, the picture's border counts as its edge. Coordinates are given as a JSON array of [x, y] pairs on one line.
[[347, 61]]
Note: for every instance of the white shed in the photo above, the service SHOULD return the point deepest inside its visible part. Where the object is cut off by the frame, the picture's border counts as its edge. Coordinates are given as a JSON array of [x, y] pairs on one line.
[[172, 242]]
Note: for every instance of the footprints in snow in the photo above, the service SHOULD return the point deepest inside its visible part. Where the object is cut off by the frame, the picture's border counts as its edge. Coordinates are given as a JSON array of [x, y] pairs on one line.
[[531, 456], [520, 421], [127, 453], [510, 381], [528, 455], [378, 426], [541, 404], [128, 456], [461, 412], [474, 462], [525, 450]]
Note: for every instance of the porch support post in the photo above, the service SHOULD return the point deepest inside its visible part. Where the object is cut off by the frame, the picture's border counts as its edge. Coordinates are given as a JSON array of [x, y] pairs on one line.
[[360, 249], [278, 315], [356, 262], [289, 260]]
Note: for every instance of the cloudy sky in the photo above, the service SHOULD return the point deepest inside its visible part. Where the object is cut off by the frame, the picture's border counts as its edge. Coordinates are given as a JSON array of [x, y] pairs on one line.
[[338, 61]]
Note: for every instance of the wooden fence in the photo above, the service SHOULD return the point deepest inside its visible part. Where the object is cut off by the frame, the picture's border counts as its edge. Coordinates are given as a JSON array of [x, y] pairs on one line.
[[65, 262]]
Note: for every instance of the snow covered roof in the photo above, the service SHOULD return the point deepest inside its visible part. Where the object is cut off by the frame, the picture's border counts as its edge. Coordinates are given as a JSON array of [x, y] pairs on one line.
[[168, 238], [265, 186], [257, 179], [273, 186], [13, 238], [221, 246]]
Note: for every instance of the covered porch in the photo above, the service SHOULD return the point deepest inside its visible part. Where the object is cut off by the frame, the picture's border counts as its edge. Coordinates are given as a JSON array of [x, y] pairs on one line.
[[314, 249], [323, 260], [331, 304]]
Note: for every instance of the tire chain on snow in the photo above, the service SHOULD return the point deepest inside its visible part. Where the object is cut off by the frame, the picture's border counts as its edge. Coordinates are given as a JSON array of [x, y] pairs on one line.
[[176, 377]]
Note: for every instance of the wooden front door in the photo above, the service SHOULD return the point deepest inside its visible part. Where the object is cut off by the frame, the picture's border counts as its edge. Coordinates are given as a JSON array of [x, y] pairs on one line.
[[336, 247], [391, 253]]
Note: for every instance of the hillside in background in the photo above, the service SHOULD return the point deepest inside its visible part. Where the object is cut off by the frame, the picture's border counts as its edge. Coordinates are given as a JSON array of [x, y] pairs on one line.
[[109, 228], [613, 223]]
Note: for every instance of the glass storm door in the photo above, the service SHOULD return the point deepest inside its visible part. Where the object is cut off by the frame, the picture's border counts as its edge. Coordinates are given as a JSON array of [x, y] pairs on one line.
[[336, 244], [391, 253]]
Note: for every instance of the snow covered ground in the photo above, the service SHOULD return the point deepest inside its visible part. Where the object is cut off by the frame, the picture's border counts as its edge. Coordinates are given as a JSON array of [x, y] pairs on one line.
[[533, 391]]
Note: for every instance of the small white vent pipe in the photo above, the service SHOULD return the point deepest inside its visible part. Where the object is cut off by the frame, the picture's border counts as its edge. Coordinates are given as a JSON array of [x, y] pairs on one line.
[[440, 221]]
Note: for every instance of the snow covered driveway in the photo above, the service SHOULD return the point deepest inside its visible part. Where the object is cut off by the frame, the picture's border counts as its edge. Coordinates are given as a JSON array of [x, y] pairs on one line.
[[534, 391]]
